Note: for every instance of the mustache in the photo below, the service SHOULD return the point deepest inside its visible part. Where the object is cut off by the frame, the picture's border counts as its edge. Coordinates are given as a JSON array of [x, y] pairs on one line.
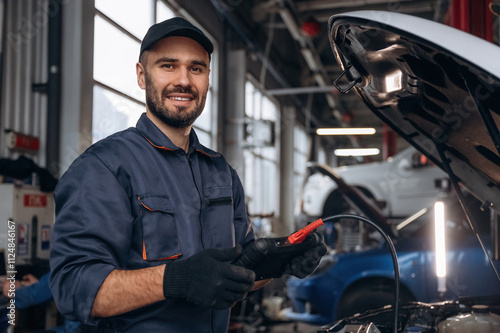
[[186, 90]]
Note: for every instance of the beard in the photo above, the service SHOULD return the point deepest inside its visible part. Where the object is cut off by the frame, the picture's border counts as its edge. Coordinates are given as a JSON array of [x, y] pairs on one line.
[[176, 116]]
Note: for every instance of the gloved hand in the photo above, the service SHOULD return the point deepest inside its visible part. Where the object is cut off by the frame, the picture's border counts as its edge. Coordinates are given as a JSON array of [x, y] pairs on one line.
[[208, 278], [304, 265]]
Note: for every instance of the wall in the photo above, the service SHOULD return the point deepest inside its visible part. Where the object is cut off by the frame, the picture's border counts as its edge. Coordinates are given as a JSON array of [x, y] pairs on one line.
[[24, 53]]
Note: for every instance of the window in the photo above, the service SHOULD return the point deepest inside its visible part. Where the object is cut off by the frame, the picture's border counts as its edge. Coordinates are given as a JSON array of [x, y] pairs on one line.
[[300, 152], [118, 101], [322, 155], [132, 15], [112, 113], [261, 162]]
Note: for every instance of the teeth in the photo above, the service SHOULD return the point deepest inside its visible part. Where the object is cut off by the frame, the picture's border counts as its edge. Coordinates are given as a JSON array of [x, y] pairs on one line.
[[180, 98]]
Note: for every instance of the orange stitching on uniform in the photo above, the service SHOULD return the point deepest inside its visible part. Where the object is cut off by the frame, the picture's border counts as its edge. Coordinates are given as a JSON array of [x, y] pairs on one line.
[[144, 256], [172, 257], [218, 155], [165, 148], [159, 147], [142, 203]]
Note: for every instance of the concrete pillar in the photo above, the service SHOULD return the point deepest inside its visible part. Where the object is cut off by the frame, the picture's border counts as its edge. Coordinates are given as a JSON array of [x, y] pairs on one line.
[[286, 193], [234, 109], [77, 80]]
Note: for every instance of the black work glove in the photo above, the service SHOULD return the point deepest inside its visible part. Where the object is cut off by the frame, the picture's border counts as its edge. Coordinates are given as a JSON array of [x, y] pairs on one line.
[[305, 264], [208, 278]]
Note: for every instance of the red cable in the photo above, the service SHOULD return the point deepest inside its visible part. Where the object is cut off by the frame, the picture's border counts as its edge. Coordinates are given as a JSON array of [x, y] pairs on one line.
[[299, 236]]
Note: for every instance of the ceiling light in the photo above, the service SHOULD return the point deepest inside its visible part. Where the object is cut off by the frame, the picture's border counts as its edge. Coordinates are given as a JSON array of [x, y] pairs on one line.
[[345, 131], [357, 152]]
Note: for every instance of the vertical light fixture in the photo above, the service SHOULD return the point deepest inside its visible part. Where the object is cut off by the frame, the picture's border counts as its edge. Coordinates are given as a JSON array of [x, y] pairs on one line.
[[439, 223]]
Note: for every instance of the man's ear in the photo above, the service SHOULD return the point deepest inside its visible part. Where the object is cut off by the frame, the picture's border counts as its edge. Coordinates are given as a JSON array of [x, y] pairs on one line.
[[141, 75]]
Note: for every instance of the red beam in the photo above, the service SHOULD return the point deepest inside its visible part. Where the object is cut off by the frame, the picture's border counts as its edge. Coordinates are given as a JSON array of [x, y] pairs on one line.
[[389, 142], [473, 17]]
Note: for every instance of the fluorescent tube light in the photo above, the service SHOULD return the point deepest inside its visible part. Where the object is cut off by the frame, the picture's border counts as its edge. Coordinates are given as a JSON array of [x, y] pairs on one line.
[[357, 152], [345, 131], [440, 245], [411, 219]]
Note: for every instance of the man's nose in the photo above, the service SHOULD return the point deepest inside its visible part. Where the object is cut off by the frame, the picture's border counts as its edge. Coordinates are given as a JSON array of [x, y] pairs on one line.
[[182, 77]]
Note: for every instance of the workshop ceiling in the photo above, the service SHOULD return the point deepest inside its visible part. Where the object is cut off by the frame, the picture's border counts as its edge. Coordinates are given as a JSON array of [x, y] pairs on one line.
[[300, 51]]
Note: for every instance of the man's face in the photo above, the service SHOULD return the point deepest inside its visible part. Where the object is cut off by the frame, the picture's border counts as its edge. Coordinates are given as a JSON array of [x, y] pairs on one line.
[[175, 73]]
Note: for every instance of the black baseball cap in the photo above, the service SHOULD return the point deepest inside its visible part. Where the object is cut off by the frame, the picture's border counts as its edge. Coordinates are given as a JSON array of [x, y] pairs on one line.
[[176, 26]]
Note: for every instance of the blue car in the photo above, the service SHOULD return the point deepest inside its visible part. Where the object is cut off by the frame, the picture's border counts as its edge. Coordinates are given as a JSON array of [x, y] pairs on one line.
[[349, 283]]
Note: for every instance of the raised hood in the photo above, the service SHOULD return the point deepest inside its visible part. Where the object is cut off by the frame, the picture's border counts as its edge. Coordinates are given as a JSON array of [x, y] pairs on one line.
[[436, 86]]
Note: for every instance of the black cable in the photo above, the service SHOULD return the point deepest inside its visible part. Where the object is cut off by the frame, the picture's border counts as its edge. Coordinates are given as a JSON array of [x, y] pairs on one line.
[[393, 254]]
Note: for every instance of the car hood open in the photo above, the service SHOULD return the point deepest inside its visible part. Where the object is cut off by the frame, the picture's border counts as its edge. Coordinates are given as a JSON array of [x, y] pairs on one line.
[[437, 87]]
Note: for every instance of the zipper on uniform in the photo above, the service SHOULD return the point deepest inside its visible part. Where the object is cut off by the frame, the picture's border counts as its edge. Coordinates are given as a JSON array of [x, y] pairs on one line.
[[199, 195], [201, 227]]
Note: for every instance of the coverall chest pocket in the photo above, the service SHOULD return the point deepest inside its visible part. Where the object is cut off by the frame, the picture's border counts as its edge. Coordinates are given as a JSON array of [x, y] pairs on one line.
[[159, 232], [219, 216]]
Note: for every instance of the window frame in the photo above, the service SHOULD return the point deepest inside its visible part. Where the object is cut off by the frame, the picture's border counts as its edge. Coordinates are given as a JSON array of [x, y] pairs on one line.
[[212, 97], [258, 157]]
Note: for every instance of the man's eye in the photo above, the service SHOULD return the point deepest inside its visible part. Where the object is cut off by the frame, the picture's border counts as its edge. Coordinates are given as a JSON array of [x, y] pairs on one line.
[[167, 66], [196, 69]]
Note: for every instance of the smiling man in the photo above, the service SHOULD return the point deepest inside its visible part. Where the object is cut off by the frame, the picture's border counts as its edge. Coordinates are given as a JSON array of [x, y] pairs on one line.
[[175, 74], [148, 220]]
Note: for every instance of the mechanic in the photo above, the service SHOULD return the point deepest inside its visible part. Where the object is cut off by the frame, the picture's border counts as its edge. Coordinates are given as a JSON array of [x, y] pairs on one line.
[[148, 220], [31, 291]]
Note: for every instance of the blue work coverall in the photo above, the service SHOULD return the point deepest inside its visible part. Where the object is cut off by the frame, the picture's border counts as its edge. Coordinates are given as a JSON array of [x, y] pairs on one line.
[[135, 200]]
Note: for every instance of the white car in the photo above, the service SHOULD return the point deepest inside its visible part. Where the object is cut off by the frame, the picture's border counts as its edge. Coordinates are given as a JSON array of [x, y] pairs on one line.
[[400, 186]]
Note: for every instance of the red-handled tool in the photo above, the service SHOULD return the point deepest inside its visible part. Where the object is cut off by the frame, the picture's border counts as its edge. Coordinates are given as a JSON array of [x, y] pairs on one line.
[[299, 236]]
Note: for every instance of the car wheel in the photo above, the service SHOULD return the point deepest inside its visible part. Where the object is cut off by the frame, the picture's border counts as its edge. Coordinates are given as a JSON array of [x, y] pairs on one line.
[[373, 295], [335, 204]]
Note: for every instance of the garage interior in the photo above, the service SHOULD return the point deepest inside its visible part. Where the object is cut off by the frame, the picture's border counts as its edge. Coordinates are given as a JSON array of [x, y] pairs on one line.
[[68, 80]]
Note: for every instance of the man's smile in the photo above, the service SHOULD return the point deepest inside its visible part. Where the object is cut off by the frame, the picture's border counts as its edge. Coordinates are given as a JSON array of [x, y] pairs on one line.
[[180, 98], [175, 98]]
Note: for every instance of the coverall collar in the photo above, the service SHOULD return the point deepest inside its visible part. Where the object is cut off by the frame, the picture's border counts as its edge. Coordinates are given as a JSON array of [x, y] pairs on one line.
[[159, 140]]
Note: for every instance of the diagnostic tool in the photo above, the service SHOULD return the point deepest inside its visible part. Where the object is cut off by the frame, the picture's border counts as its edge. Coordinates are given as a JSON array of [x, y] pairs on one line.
[[268, 256]]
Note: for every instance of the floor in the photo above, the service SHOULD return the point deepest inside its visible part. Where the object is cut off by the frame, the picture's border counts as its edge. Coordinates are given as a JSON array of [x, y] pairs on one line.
[[272, 301], [293, 328], [289, 327]]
